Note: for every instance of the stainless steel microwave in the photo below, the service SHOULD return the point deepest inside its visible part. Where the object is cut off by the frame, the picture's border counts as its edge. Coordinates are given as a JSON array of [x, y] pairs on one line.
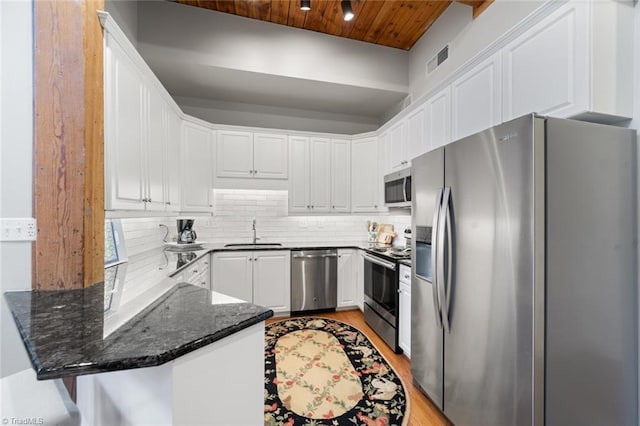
[[397, 189]]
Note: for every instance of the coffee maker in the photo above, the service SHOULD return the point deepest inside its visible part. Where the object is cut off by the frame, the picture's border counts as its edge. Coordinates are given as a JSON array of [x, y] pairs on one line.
[[186, 235]]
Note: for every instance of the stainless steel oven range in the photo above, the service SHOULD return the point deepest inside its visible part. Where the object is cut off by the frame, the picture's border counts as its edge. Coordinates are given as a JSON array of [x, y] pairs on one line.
[[381, 298]]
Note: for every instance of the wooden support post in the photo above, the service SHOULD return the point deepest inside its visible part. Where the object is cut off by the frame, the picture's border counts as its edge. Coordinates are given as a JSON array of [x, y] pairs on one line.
[[68, 145]]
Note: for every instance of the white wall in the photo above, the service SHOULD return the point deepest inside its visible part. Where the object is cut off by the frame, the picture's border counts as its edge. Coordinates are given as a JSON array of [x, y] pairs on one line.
[[16, 140], [238, 114], [228, 41], [232, 218], [125, 12], [466, 38]]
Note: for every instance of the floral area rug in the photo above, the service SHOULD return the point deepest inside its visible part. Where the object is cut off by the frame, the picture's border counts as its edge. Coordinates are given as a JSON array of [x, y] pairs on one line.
[[324, 372]]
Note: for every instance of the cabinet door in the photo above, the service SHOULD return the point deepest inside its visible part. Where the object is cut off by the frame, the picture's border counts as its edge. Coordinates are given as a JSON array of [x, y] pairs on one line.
[[270, 156], [173, 161], [415, 140], [404, 334], [365, 181], [156, 136], [299, 175], [320, 175], [340, 175], [232, 274], [397, 147], [234, 154], [546, 69], [124, 183], [272, 280], [438, 119], [347, 278], [197, 162], [476, 98]]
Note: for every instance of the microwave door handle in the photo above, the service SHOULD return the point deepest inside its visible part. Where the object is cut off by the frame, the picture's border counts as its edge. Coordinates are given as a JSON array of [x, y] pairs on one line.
[[404, 189], [445, 287], [434, 258]]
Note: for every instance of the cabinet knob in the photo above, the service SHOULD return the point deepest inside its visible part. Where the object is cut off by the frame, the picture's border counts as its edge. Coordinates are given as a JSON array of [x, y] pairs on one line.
[[168, 203], [255, 172], [308, 206], [333, 207], [399, 291], [250, 172], [210, 205], [149, 199], [375, 207], [195, 271], [311, 206]]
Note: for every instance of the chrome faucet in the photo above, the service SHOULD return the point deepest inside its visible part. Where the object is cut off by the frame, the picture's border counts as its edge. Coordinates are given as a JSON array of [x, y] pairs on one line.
[[253, 226]]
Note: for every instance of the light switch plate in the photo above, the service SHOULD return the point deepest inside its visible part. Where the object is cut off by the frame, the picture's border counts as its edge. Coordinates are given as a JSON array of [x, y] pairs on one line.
[[18, 229]]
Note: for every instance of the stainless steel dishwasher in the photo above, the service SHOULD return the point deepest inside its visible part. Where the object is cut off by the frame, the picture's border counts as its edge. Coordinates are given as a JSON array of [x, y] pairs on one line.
[[314, 280]]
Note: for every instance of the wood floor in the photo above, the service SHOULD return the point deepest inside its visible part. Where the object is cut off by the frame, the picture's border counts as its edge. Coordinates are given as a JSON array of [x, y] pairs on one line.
[[422, 410]]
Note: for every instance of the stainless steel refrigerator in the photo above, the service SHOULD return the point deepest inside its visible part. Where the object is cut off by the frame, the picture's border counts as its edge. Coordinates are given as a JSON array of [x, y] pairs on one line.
[[524, 286]]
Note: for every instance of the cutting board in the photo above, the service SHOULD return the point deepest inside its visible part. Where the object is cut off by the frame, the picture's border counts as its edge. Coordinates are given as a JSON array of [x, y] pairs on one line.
[[385, 233]]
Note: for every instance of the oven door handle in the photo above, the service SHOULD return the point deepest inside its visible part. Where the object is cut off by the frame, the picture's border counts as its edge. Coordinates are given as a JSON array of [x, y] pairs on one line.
[[380, 262]]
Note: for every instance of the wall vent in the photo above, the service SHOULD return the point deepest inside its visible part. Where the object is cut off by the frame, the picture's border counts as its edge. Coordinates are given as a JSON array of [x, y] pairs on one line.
[[438, 59]]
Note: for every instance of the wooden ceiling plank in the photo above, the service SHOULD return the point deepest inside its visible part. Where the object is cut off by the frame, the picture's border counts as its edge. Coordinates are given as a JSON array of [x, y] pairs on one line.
[[297, 17], [393, 31], [259, 9], [315, 16], [481, 8], [384, 18], [393, 23], [224, 6], [364, 19], [280, 11], [416, 27]]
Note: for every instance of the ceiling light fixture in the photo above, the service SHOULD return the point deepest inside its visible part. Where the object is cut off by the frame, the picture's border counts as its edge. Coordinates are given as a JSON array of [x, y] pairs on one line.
[[305, 5], [347, 11]]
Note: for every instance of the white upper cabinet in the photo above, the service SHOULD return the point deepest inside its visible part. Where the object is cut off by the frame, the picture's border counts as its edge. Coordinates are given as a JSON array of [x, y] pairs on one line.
[[299, 174], [340, 175], [577, 62], [397, 147], [476, 98], [415, 134], [249, 155], [197, 167], [366, 182], [546, 70], [270, 156], [156, 145], [140, 135], [234, 154], [314, 173], [438, 119], [173, 197], [124, 158], [320, 166]]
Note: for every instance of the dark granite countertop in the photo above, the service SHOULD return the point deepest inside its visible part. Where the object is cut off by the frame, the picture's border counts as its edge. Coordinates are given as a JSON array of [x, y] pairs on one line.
[[141, 319], [72, 332]]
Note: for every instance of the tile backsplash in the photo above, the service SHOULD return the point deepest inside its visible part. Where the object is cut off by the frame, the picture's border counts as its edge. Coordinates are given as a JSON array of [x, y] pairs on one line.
[[234, 211]]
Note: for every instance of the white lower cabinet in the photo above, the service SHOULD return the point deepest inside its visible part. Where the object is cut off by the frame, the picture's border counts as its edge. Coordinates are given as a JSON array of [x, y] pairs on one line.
[[404, 290], [260, 277], [347, 278], [197, 273]]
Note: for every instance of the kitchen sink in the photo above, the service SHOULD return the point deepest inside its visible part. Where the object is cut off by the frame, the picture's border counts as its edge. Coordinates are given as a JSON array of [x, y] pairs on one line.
[[254, 246]]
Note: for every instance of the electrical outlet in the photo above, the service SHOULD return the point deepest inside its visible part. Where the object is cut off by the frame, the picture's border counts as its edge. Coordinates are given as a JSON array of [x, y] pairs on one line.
[[18, 229]]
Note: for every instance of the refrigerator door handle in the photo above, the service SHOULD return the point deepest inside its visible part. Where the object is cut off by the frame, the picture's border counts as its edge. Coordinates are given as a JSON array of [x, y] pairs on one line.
[[434, 259], [445, 227]]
